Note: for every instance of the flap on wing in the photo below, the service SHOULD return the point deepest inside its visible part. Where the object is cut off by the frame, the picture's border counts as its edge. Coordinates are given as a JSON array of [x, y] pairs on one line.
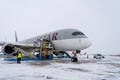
[[25, 46]]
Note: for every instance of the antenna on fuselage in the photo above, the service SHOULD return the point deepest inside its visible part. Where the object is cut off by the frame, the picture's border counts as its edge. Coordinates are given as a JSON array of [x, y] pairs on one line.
[[16, 38]]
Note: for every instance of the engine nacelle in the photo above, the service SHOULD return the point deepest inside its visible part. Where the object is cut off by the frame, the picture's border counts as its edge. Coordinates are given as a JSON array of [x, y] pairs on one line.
[[8, 48]]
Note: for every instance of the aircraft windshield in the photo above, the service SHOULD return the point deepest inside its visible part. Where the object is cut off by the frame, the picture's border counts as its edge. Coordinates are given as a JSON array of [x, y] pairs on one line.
[[77, 33]]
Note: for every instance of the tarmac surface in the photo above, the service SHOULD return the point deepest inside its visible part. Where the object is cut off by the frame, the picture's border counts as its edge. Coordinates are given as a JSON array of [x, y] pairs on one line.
[[62, 69]]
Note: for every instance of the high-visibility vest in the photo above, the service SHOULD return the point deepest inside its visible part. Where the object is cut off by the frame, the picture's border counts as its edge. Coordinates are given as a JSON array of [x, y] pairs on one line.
[[19, 55]]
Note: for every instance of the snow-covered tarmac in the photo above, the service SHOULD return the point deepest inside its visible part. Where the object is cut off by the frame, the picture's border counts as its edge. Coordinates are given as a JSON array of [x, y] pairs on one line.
[[62, 69]]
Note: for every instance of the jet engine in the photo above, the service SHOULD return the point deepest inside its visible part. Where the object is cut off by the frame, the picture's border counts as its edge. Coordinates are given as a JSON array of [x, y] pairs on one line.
[[8, 48]]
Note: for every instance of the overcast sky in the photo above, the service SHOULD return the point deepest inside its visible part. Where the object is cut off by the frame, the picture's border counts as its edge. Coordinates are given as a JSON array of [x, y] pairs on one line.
[[98, 19]]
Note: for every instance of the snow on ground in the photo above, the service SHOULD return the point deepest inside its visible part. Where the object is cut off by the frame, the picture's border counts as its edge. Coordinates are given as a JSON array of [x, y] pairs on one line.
[[62, 69]]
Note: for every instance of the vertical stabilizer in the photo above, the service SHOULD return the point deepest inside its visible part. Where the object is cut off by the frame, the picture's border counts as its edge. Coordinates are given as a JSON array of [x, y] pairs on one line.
[[16, 38]]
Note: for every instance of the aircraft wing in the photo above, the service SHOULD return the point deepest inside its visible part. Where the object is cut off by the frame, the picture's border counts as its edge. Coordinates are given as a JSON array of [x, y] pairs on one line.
[[26, 49], [2, 43], [25, 46], [22, 46]]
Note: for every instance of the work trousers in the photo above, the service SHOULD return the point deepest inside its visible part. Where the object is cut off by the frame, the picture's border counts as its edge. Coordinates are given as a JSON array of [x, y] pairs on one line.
[[18, 60]]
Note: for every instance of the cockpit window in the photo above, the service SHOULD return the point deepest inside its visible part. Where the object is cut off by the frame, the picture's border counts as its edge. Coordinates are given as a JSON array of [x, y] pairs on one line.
[[77, 33]]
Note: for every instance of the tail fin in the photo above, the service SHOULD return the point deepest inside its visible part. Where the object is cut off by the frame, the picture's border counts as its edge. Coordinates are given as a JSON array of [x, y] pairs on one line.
[[16, 38]]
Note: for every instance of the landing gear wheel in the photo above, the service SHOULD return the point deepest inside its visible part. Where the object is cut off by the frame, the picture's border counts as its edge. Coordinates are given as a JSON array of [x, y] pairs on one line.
[[73, 59]]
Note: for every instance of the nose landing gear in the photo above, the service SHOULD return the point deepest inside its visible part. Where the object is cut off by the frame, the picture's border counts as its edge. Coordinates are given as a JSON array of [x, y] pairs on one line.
[[74, 58]]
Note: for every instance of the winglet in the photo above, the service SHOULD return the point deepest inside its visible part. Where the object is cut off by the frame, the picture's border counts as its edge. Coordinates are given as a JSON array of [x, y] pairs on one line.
[[16, 38]]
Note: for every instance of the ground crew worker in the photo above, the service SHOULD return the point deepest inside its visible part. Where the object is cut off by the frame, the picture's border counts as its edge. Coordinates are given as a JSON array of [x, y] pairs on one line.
[[44, 54], [19, 56]]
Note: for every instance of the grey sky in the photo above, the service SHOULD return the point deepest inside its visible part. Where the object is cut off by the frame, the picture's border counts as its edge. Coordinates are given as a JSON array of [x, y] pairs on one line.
[[98, 19]]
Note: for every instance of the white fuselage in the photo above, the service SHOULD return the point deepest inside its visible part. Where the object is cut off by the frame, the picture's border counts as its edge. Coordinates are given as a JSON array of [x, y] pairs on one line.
[[63, 42]]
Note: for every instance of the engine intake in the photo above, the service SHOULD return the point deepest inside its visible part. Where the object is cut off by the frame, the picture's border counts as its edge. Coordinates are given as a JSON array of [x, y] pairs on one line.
[[8, 49]]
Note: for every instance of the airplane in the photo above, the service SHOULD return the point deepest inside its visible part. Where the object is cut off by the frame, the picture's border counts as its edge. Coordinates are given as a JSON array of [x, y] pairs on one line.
[[63, 40]]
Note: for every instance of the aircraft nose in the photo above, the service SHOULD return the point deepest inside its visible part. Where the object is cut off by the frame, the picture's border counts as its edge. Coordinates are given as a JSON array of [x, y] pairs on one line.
[[85, 42]]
